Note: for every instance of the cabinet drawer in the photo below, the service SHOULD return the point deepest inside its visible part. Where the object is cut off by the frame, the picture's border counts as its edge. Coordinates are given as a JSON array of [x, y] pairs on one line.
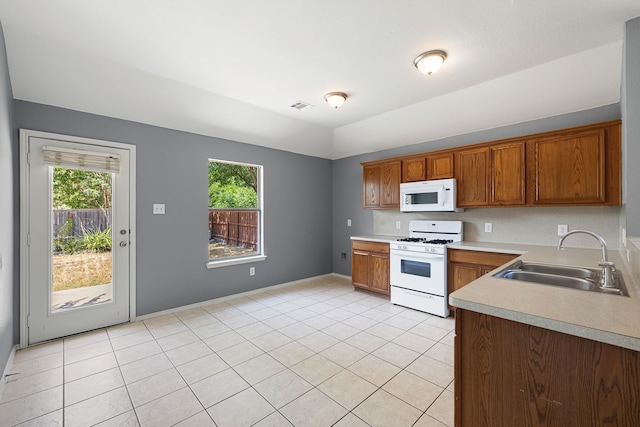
[[479, 257], [362, 245]]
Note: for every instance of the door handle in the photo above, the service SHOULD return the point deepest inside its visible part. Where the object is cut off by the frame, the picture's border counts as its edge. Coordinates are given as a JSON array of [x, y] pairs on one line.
[[123, 244]]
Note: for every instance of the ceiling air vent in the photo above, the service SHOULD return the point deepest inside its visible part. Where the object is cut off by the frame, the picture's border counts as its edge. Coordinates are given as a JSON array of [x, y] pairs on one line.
[[300, 105]]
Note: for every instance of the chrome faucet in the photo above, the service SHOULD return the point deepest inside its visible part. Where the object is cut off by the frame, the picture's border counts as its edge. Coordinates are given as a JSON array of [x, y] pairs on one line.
[[607, 279]]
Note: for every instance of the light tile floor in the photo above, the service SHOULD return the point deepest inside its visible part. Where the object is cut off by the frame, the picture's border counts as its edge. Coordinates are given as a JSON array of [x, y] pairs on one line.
[[315, 353]]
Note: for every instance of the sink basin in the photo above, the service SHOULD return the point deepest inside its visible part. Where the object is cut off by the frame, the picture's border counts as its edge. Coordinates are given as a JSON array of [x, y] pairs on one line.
[[549, 279], [560, 270], [583, 278]]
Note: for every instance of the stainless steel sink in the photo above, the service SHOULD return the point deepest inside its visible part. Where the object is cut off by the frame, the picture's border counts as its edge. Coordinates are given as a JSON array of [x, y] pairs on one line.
[[560, 270], [583, 278]]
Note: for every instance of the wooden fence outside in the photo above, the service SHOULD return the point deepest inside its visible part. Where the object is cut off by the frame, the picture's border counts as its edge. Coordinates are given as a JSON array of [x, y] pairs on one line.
[[83, 219], [235, 227]]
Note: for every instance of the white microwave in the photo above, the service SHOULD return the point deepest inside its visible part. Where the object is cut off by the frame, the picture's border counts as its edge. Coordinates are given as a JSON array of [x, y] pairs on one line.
[[429, 196]]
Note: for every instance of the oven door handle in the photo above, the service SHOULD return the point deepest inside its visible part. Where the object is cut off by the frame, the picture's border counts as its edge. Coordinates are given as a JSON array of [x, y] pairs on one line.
[[416, 256]]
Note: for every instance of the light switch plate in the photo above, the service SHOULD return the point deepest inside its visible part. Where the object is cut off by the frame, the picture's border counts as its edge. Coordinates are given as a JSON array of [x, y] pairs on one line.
[[158, 208], [348, 223]]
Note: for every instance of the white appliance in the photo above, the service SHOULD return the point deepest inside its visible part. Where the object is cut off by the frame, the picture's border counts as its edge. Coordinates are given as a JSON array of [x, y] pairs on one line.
[[418, 266], [429, 196]]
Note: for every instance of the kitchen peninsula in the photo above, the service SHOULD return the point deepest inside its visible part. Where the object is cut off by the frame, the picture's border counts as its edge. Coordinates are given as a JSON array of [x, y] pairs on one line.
[[532, 354]]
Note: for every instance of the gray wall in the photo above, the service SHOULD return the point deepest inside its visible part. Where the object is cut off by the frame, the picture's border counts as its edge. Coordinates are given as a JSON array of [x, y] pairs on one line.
[[631, 123], [347, 176], [172, 169], [8, 211]]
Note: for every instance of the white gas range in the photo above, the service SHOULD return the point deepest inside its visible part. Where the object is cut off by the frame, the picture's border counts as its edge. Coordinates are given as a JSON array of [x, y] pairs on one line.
[[418, 271]]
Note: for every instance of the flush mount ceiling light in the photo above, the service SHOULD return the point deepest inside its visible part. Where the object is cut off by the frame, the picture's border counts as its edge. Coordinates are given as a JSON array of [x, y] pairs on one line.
[[335, 99], [430, 62]]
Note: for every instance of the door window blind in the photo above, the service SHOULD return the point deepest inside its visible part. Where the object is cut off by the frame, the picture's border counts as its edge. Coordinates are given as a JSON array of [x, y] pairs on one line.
[[79, 159]]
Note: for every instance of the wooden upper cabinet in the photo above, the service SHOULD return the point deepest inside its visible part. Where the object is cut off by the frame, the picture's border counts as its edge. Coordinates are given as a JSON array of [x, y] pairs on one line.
[[390, 185], [471, 172], [570, 169], [414, 169], [507, 174], [381, 185], [440, 166], [371, 186]]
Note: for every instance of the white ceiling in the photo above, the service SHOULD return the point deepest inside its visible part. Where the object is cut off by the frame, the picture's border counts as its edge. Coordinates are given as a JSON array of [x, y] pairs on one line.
[[232, 69]]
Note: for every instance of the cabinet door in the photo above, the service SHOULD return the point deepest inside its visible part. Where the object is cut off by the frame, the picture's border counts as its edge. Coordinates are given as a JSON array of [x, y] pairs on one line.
[[379, 272], [414, 170], [462, 274], [360, 269], [440, 166], [472, 167], [569, 170], [390, 185], [507, 174], [371, 186]]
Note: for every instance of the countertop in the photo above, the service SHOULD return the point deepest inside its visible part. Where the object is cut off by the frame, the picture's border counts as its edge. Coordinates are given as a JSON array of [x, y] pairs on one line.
[[382, 238], [611, 319]]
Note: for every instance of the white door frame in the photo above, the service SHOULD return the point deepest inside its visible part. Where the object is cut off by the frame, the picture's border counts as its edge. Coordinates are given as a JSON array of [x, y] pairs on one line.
[[25, 134]]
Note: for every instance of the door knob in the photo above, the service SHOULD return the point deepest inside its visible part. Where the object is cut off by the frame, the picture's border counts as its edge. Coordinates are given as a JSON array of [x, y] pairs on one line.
[[123, 244]]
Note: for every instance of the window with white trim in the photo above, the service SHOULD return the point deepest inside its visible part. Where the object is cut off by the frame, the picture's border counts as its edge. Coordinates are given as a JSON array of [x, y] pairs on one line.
[[235, 212]]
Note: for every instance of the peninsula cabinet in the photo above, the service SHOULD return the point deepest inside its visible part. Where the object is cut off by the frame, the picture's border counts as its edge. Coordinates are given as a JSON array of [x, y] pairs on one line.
[[466, 266], [512, 374], [370, 266], [381, 185]]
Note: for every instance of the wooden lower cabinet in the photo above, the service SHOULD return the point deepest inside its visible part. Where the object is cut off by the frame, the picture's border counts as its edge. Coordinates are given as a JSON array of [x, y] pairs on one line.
[[370, 266], [512, 374], [466, 266]]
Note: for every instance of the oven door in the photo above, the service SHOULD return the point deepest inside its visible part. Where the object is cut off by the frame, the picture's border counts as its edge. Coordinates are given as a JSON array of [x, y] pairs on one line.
[[418, 271]]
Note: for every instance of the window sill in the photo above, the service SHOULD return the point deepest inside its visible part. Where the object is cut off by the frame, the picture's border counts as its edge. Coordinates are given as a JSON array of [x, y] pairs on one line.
[[236, 261]]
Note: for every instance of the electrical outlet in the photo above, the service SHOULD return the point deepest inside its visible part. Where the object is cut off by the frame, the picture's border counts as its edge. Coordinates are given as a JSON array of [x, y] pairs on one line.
[[348, 223], [158, 208], [252, 271], [398, 225], [562, 229], [488, 227], [343, 255]]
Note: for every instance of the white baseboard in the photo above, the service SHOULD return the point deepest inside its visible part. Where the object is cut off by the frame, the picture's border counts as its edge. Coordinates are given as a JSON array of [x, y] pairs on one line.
[[7, 369], [228, 297], [342, 276]]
